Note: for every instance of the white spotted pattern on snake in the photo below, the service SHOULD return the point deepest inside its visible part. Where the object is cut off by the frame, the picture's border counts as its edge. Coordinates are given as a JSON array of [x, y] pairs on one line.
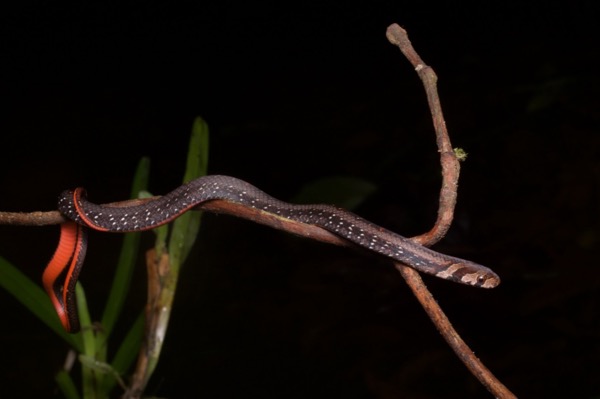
[[338, 221]]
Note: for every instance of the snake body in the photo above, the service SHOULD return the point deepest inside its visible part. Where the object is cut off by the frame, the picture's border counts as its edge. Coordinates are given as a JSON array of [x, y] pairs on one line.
[[73, 205]]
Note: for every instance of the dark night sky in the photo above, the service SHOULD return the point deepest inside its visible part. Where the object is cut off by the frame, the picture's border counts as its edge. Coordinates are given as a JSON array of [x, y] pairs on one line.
[[293, 93]]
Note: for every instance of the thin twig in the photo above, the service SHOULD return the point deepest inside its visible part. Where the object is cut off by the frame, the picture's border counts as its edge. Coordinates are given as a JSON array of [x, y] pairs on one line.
[[37, 218], [448, 193], [451, 336], [450, 165], [216, 206]]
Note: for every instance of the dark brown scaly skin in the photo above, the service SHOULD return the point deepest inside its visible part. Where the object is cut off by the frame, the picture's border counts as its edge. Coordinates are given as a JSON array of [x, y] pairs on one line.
[[338, 221]]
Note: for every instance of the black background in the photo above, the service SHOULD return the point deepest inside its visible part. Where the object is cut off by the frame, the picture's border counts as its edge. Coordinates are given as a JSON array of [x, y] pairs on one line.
[[294, 92]]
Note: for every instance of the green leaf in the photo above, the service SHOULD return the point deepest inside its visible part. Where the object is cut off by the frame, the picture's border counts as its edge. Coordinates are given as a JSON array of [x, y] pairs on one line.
[[130, 346], [87, 330], [127, 257], [345, 192], [66, 385], [90, 379], [185, 228], [197, 159], [34, 299]]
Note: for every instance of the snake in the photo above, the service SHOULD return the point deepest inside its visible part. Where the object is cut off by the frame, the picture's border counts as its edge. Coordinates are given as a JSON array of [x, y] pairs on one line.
[[62, 272]]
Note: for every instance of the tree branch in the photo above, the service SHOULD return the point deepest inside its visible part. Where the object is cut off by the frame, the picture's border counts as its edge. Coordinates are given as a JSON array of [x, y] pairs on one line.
[[447, 202], [216, 206]]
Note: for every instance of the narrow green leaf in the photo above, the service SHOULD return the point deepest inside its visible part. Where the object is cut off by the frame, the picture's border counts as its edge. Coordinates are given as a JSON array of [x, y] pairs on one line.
[[185, 228], [127, 257], [127, 351], [34, 299], [66, 385], [87, 330], [197, 159], [89, 382]]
